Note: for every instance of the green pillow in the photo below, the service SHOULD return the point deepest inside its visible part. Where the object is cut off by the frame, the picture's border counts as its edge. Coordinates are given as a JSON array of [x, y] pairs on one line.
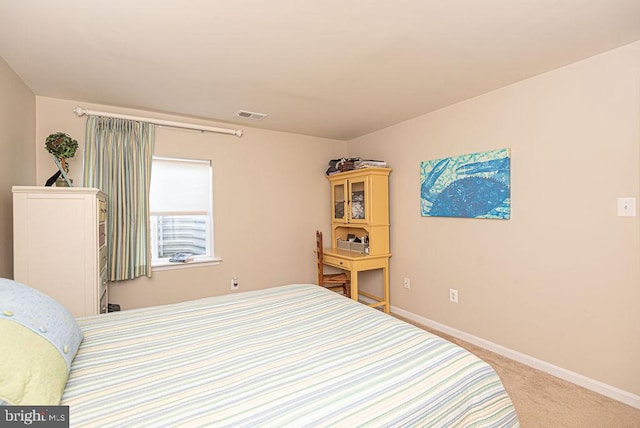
[[38, 340]]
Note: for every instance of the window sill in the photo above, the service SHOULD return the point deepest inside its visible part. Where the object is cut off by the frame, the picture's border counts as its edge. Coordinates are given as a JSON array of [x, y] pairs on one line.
[[210, 261]]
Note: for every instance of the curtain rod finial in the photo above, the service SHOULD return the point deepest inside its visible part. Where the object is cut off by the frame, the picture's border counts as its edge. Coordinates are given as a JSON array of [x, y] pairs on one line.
[[79, 111]]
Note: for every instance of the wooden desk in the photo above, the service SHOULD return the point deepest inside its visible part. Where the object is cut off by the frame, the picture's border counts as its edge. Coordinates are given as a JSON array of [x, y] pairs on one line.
[[353, 263]]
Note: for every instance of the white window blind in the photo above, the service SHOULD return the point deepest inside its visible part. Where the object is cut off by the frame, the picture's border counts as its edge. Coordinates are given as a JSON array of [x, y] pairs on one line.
[[181, 216], [180, 185]]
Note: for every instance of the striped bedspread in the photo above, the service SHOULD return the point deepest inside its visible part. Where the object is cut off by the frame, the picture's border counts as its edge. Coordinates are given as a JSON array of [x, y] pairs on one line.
[[296, 355]]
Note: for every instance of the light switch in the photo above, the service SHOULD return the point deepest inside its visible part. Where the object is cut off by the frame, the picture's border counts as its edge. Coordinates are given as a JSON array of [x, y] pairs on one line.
[[626, 207]]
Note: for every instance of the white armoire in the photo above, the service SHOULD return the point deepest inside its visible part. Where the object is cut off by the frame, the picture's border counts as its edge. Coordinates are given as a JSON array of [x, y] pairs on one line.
[[59, 245]]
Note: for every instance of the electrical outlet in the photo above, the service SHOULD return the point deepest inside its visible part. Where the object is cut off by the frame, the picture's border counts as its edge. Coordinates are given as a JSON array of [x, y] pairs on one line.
[[407, 283], [626, 207], [234, 283], [453, 295]]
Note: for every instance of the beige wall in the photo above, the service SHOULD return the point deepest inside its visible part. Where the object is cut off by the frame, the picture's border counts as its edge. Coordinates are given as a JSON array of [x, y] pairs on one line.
[[270, 195], [560, 281], [17, 163]]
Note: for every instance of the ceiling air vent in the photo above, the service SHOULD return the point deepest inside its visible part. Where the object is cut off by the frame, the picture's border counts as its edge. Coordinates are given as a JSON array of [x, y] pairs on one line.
[[250, 115]]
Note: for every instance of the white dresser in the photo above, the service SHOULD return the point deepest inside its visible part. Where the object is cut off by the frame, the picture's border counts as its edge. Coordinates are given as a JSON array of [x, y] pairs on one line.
[[59, 245]]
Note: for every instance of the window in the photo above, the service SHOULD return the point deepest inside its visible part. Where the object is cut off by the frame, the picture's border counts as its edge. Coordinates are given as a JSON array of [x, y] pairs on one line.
[[180, 202]]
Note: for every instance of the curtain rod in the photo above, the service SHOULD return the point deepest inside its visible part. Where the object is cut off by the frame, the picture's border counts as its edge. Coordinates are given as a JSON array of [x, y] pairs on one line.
[[81, 111]]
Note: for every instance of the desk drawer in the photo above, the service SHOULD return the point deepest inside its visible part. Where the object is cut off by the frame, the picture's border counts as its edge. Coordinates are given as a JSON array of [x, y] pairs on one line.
[[339, 263], [102, 258], [104, 303], [102, 210], [103, 282]]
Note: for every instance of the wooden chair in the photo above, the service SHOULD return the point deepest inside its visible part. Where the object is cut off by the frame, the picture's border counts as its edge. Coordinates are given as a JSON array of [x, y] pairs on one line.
[[333, 280]]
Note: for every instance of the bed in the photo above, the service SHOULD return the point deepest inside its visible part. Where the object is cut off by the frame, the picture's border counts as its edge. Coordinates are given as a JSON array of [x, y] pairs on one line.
[[294, 355]]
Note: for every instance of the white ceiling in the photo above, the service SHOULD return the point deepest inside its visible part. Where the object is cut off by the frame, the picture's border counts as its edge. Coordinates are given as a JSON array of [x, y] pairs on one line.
[[330, 68]]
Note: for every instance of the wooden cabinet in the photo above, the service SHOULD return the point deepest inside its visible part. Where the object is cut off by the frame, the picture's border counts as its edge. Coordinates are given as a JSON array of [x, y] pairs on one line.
[[360, 196], [59, 245], [360, 208]]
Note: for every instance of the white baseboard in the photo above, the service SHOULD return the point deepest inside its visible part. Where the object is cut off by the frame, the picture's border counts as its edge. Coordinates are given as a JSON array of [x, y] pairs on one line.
[[578, 379]]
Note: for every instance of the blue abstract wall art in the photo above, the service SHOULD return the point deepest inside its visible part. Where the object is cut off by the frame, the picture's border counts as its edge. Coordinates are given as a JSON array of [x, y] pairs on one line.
[[476, 185]]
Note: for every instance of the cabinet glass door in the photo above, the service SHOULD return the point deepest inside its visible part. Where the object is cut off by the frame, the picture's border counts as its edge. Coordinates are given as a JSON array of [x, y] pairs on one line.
[[358, 203], [338, 197]]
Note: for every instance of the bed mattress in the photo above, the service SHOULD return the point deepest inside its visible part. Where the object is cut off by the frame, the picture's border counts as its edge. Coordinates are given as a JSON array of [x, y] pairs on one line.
[[295, 355]]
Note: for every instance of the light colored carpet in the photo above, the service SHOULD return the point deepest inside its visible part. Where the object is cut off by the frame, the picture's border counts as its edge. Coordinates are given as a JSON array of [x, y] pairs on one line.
[[545, 401]]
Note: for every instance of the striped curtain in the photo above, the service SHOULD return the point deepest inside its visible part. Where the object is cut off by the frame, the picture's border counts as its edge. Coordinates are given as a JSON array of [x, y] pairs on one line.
[[117, 160]]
